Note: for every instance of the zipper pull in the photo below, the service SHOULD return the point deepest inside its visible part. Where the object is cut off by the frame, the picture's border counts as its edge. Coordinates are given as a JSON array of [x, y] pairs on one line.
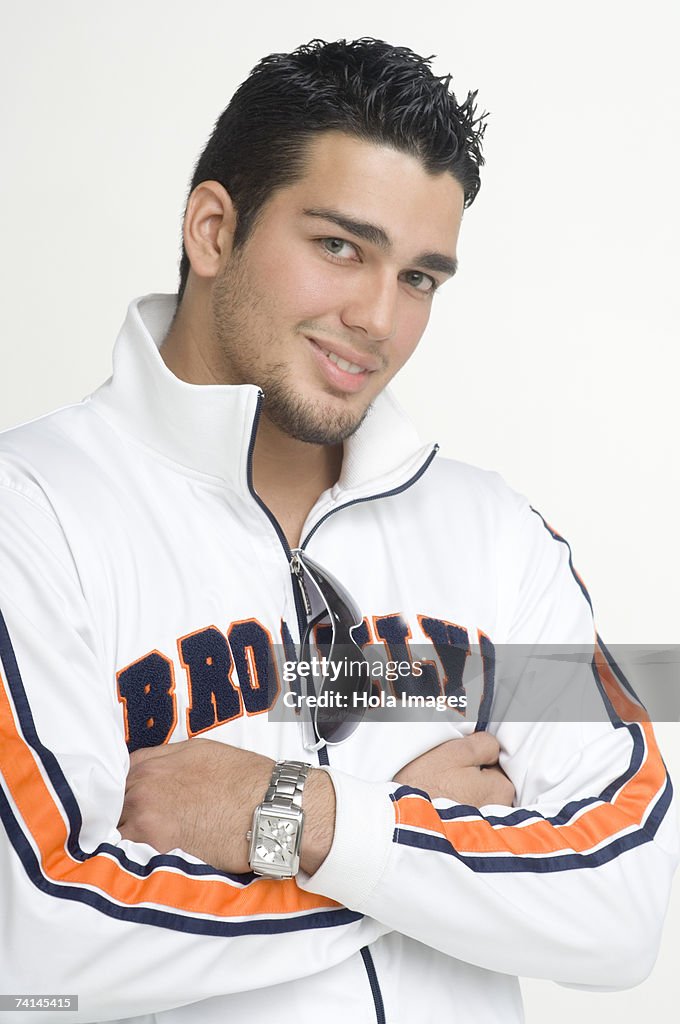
[[298, 571]]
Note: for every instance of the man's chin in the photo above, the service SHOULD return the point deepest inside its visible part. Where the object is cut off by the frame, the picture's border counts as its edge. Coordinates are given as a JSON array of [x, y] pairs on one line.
[[311, 423], [328, 432]]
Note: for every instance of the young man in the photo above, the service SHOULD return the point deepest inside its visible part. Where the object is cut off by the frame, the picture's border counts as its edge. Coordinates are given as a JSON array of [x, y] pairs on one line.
[[162, 539]]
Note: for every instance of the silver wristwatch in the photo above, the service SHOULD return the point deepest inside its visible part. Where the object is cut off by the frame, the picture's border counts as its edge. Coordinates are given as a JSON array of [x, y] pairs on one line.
[[277, 823]]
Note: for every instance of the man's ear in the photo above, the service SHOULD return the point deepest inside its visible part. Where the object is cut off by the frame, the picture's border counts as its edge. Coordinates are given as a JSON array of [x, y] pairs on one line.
[[209, 225]]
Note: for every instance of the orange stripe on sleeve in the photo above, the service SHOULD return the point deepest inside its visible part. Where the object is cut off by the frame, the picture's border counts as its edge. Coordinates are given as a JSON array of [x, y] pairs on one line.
[[625, 708], [594, 826], [43, 820]]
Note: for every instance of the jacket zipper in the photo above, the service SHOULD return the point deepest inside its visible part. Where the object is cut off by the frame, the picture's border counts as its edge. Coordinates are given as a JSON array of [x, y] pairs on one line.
[[300, 597], [375, 985], [303, 609], [373, 497], [296, 569]]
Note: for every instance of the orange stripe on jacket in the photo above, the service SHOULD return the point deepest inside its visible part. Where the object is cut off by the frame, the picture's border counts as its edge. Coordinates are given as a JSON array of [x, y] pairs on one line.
[[624, 706], [42, 817], [593, 827]]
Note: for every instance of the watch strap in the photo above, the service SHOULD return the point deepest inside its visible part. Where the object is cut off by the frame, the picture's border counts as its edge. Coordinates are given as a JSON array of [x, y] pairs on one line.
[[286, 786]]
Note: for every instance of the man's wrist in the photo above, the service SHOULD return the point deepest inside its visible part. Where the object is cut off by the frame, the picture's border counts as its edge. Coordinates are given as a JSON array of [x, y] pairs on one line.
[[318, 804]]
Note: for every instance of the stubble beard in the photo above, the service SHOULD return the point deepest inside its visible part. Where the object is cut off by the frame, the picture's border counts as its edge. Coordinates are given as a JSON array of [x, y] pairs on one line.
[[303, 419]]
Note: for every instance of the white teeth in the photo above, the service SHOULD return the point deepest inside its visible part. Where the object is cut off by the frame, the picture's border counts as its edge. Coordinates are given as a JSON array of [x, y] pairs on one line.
[[343, 364]]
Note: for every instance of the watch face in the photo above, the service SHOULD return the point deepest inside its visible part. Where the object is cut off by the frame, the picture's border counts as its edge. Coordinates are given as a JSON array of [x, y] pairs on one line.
[[275, 841]]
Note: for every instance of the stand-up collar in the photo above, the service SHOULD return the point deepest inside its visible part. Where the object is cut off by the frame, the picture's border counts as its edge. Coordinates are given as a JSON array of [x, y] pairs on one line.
[[207, 428]]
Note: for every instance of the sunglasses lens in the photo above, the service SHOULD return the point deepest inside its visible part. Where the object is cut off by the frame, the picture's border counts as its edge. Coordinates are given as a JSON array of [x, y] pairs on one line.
[[339, 603], [347, 678], [346, 675]]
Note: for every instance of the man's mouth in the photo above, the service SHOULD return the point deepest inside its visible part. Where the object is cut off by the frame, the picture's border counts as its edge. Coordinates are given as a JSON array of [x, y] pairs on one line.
[[342, 363], [343, 373], [345, 357]]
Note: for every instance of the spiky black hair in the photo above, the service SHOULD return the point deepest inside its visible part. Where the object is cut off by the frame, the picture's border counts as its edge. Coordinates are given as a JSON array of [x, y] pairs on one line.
[[366, 88]]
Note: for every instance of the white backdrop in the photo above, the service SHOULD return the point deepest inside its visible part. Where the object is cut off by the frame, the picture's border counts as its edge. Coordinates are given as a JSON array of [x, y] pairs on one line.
[[552, 358]]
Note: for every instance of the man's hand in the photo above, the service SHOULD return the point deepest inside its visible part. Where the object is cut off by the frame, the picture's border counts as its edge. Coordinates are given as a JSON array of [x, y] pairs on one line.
[[198, 796], [465, 770]]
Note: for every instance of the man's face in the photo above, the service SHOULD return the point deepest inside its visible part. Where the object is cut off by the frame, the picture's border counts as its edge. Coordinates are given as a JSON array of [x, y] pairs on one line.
[[331, 292]]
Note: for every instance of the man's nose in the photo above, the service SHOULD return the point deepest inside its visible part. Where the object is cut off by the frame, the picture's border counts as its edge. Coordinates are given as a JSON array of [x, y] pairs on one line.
[[372, 306]]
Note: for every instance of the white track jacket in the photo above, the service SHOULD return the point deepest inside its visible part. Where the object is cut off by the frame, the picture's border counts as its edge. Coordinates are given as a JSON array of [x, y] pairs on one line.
[[142, 583]]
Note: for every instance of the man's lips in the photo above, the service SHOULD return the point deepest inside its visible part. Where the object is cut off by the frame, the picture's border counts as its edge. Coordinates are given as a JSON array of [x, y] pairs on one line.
[[357, 368], [361, 360]]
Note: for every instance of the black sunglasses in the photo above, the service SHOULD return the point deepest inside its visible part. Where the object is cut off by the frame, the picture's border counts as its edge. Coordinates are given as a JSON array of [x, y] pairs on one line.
[[343, 667]]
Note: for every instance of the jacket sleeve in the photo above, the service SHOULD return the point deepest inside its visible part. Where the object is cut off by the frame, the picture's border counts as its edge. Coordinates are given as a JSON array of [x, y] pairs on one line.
[[572, 884], [129, 930]]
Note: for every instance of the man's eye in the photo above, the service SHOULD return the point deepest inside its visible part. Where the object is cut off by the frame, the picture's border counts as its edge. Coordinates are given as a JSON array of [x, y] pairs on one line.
[[421, 282], [338, 247]]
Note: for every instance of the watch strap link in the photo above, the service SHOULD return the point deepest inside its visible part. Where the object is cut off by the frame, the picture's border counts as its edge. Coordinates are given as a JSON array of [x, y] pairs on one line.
[[286, 786]]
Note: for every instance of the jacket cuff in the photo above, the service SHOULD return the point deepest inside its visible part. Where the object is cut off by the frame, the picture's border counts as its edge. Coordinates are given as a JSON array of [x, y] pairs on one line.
[[364, 827]]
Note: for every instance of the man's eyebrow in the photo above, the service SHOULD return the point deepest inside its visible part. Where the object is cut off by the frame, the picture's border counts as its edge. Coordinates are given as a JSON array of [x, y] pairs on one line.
[[361, 228], [436, 261]]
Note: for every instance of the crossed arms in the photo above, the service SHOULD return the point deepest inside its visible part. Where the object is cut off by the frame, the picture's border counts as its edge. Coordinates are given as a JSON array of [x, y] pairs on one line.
[[199, 795]]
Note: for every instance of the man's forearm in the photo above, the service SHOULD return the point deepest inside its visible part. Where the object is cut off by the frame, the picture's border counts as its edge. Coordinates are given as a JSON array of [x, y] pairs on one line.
[[200, 795], [318, 804]]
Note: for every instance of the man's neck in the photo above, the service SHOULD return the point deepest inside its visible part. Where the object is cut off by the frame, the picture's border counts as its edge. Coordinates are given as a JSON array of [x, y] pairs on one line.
[[289, 475], [185, 353]]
